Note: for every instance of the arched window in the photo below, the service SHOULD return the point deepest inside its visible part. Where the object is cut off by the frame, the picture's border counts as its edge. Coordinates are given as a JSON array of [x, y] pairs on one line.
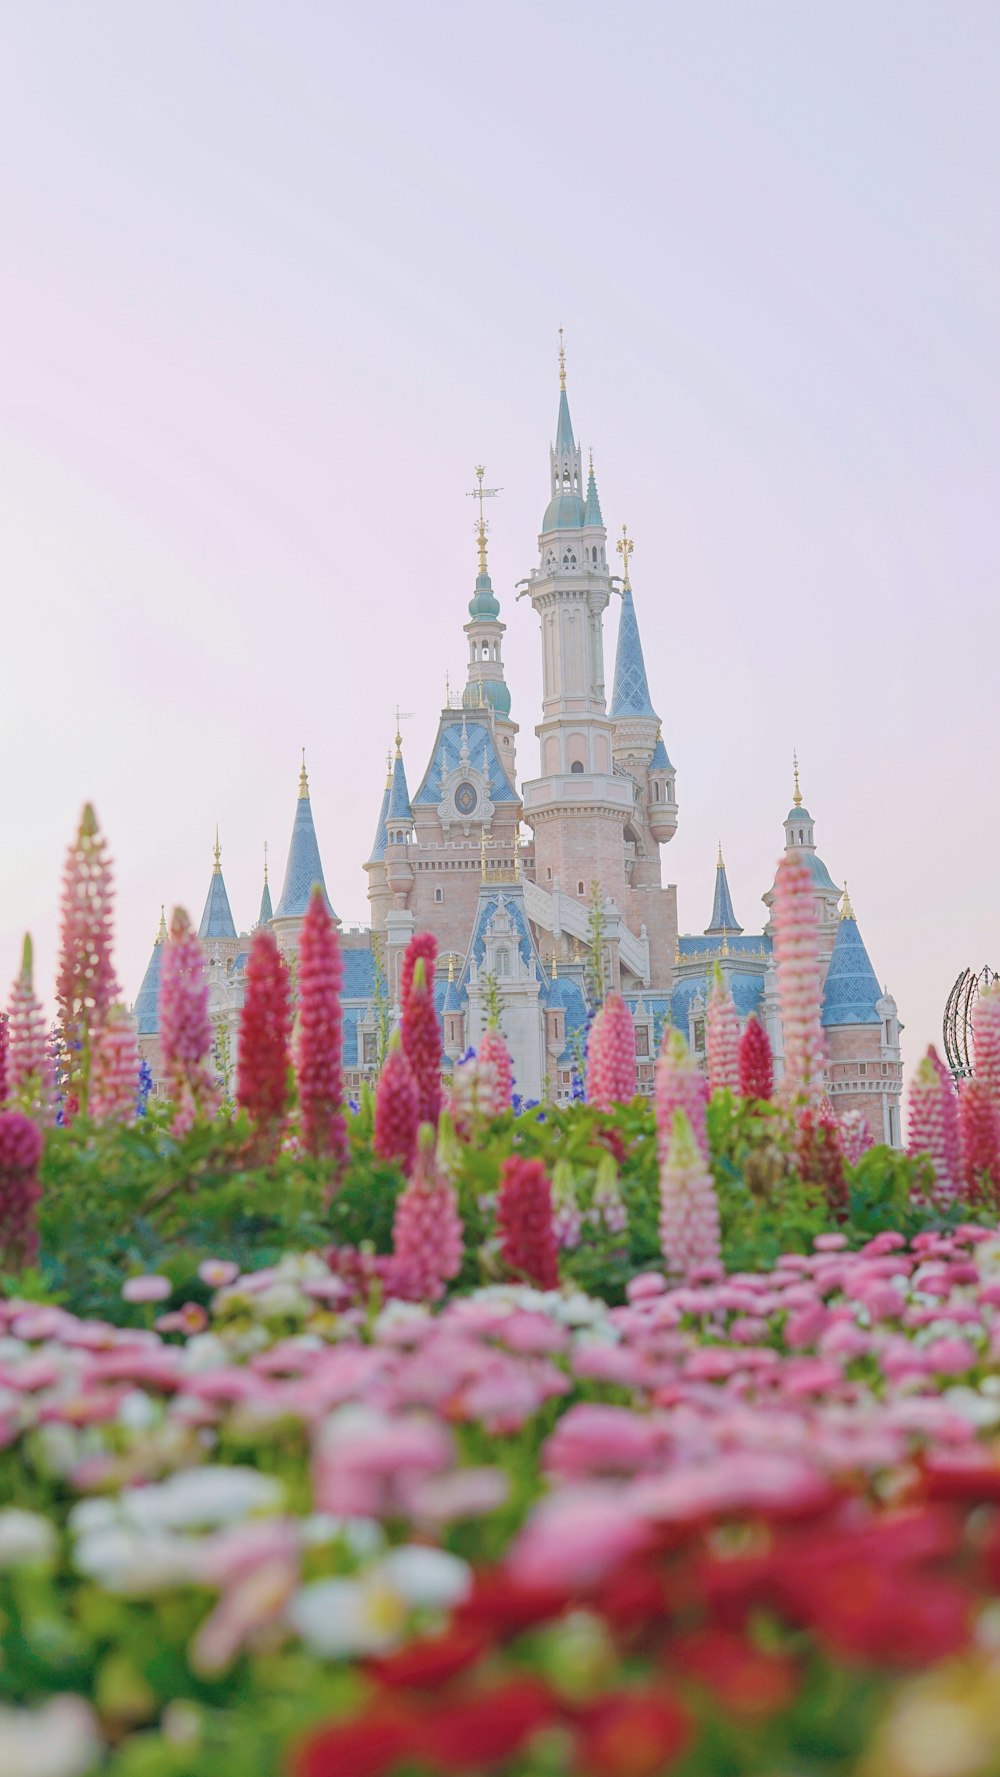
[[800, 836], [503, 960], [594, 554], [656, 789], [577, 765], [439, 894], [569, 559]]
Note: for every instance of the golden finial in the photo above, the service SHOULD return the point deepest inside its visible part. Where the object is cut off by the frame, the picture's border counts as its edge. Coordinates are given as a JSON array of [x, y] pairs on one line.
[[401, 716], [447, 691], [725, 944], [562, 361], [451, 968], [388, 769], [576, 949], [303, 779], [555, 967], [217, 865], [161, 936], [797, 798], [482, 853], [590, 452], [625, 547], [482, 493], [265, 863], [846, 910], [719, 865]]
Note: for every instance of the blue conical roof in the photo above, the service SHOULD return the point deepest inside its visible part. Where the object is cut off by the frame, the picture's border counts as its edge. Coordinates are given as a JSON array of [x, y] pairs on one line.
[[564, 427], [592, 515], [381, 836], [399, 796], [145, 1011], [630, 696], [266, 911], [304, 867], [661, 758], [851, 991], [217, 920], [723, 917]]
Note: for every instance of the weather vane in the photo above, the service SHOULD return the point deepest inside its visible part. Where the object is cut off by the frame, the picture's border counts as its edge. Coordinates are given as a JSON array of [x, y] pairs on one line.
[[401, 716], [482, 493], [625, 547], [562, 361]]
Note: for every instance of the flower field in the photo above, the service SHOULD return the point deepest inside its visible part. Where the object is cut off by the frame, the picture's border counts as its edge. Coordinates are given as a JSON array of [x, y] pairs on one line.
[[438, 1434]]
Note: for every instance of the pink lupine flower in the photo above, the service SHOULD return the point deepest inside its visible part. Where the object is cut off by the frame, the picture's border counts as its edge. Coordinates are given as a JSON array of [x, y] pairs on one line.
[[495, 1055], [114, 1069], [722, 1037], [265, 1029], [185, 1028], [20, 1155], [397, 1109], [680, 1086], [756, 1061], [986, 1039], [419, 1028], [473, 1094], [949, 1108], [689, 1209], [524, 1222], [611, 1065], [928, 1132], [819, 1155], [855, 1136], [426, 1229], [30, 1075], [320, 1034], [796, 955], [567, 1218], [218, 1272], [609, 1204], [4, 1050], [85, 984], [147, 1288], [979, 1132]]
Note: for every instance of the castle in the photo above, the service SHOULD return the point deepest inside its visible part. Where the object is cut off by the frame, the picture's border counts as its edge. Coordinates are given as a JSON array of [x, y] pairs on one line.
[[526, 919]]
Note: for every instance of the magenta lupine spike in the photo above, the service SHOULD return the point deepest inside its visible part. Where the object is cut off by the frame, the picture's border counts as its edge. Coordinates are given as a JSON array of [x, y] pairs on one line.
[[928, 1133], [114, 1069], [952, 1145], [186, 1029], [265, 1034], [426, 1228], [85, 983], [396, 1109], [419, 1027], [689, 1209], [495, 1056], [986, 1039], [979, 1130], [680, 1086], [319, 1052], [4, 1047], [722, 1037], [29, 1060], [796, 954], [756, 1061], [20, 1156], [472, 1095], [855, 1136], [611, 1064]]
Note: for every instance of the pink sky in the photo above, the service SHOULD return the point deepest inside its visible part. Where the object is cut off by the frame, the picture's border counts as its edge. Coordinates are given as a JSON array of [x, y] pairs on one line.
[[275, 279]]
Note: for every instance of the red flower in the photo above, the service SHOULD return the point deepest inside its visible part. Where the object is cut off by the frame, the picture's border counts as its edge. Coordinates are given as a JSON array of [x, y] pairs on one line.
[[487, 1727], [820, 1157], [369, 1746], [397, 1110], [432, 1661], [504, 1609], [756, 1061], [633, 1734], [979, 1135], [20, 1156], [265, 1027], [320, 1037], [745, 1681], [419, 1027], [524, 1220]]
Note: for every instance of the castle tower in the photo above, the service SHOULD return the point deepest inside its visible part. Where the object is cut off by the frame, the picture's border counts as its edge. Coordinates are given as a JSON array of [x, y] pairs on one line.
[[577, 807], [217, 921], [486, 687], [220, 943], [861, 1025], [723, 918], [800, 836], [146, 1009], [266, 913], [302, 870], [379, 896]]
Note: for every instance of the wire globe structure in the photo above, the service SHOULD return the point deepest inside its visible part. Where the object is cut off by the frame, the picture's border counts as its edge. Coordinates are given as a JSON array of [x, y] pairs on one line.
[[958, 1019]]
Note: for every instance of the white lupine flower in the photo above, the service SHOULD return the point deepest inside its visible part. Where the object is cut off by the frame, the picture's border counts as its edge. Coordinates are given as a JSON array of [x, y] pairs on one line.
[[25, 1537], [201, 1498], [58, 1740], [343, 1618]]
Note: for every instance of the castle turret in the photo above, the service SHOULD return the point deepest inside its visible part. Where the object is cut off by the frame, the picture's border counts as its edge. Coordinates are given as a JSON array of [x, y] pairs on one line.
[[724, 922], [379, 895], [266, 913], [864, 1071], [638, 735], [487, 688], [800, 836], [302, 870], [146, 1009], [217, 919]]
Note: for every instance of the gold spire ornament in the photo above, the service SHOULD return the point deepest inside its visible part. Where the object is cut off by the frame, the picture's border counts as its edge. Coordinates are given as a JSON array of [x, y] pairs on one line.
[[303, 780], [401, 716], [846, 910], [719, 865], [555, 967], [217, 865], [451, 968], [562, 361], [265, 863], [482, 853], [161, 936], [797, 798], [625, 547], [482, 493], [388, 769]]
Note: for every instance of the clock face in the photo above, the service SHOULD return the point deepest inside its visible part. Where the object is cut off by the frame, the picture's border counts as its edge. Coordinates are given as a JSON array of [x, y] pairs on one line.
[[466, 797]]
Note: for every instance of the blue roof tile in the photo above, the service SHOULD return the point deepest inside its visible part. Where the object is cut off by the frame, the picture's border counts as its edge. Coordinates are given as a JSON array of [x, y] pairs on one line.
[[266, 910], [630, 696], [146, 1007], [381, 836], [851, 991], [660, 760], [303, 868], [399, 796], [723, 917], [217, 919], [482, 754]]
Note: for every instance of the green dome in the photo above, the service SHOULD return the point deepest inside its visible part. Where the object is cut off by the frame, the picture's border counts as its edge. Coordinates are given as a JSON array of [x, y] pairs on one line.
[[564, 512], [484, 603], [494, 692]]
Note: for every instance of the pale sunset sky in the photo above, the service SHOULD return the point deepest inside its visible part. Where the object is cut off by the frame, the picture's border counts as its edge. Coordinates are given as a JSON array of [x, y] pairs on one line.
[[274, 278]]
